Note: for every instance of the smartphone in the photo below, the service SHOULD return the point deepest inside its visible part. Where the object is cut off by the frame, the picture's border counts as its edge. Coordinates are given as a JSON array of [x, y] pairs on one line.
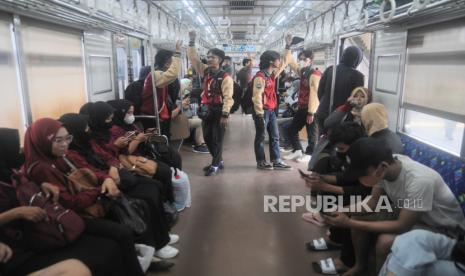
[[150, 130], [304, 175], [130, 134], [327, 214]]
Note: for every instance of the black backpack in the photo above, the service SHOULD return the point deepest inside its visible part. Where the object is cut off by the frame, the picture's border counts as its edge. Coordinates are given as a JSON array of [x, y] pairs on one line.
[[133, 93], [247, 103]]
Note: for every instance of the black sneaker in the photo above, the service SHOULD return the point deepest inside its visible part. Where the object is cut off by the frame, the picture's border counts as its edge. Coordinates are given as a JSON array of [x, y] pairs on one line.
[[212, 171], [280, 165], [263, 165], [200, 149], [221, 167]]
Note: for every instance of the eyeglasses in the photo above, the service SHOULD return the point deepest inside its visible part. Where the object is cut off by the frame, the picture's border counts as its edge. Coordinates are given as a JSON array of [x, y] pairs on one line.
[[212, 57], [67, 139]]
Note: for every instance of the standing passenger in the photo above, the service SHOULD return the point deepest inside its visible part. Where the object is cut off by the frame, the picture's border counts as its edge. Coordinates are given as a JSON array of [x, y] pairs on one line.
[[167, 69], [307, 102], [265, 102], [216, 101], [347, 79]]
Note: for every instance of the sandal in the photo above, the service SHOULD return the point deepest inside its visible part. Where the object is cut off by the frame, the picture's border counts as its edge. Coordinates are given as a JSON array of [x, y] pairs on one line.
[[310, 217], [321, 245], [327, 267]]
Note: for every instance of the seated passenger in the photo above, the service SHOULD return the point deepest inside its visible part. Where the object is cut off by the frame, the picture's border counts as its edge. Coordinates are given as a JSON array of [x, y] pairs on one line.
[[348, 112], [83, 156], [375, 120], [351, 111], [133, 92], [95, 251], [434, 254], [109, 146], [195, 123], [420, 196]]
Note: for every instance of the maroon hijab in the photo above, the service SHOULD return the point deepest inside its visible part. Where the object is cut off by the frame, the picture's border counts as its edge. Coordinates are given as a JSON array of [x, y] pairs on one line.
[[38, 142]]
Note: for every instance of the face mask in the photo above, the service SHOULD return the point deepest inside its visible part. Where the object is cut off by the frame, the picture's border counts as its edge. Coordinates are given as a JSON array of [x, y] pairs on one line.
[[129, 119], [303, 63]]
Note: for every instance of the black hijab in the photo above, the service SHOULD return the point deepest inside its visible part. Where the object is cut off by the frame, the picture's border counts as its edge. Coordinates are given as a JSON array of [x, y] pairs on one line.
[[98, 112], [121, 108], [10, 156], [76, 125], [352, 57], [144, 72]]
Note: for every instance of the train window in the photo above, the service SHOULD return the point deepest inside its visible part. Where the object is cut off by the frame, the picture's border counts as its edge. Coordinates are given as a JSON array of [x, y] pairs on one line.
[[55, 79], [442, 133], [136, 63], [434, 84]]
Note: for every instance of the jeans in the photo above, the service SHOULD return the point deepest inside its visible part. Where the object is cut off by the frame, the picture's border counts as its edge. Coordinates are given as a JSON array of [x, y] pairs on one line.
[[298, 122], [421, 252], [271, 125]]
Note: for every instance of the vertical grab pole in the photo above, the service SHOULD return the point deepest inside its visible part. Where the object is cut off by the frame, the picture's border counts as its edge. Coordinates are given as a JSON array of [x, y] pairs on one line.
[[333, 80], [152, 71]]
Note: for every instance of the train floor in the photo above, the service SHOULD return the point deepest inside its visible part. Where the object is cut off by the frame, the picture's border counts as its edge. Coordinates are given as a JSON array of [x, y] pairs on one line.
[[226, 231]]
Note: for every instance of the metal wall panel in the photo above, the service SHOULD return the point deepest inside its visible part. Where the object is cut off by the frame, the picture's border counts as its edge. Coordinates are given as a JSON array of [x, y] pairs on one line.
[[100, 64], [388, 70]]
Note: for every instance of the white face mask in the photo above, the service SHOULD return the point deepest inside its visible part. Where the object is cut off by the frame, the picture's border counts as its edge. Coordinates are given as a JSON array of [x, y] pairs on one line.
[[129, 119], [303, 63]]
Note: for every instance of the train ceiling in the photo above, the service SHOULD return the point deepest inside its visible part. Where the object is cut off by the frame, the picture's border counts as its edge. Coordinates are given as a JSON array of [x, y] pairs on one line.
[[242, 21]]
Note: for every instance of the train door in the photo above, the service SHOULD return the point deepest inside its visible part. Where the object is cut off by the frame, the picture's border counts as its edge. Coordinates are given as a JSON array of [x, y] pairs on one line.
[[121, 49], [136, 59], [363, 41]]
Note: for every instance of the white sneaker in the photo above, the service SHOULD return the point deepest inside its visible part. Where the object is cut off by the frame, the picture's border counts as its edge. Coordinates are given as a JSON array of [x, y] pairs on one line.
[[305, 158], [166, 252], [294, 155], [173, 239], [285, 150]]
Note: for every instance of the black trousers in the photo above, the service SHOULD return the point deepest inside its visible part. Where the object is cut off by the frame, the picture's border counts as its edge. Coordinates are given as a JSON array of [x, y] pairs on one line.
[[123, 236], [164, 177], [343, 236], [102, 255], [213, 134], [147, 189], [298, 122]]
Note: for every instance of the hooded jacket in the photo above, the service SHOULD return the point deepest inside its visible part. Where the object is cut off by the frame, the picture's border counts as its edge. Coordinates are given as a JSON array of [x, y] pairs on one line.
[[347, 79]]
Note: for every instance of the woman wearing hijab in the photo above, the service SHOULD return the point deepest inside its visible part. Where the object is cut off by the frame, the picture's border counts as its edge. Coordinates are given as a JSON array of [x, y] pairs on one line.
[[95, 251], [46, 143], [375, 120], [80, 152], [120, 118], [351, 111], [347, 79]]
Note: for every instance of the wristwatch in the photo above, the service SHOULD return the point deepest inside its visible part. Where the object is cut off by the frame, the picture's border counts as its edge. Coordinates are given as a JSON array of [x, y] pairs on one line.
[[225, 115], [310, 113]]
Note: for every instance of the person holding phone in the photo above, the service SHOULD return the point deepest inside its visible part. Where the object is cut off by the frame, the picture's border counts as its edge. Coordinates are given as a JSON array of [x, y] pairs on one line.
[[189, 108]]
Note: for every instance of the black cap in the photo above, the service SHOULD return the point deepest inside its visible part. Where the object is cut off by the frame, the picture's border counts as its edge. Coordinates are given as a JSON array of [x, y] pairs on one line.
[[367, 152]]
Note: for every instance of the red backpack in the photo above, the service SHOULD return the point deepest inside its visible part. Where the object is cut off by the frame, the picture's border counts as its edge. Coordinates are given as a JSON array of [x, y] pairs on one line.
[[61, 227]]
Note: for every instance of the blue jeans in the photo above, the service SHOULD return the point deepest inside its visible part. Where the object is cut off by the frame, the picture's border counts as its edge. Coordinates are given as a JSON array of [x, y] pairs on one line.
[[420, 252], [271, 125]]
